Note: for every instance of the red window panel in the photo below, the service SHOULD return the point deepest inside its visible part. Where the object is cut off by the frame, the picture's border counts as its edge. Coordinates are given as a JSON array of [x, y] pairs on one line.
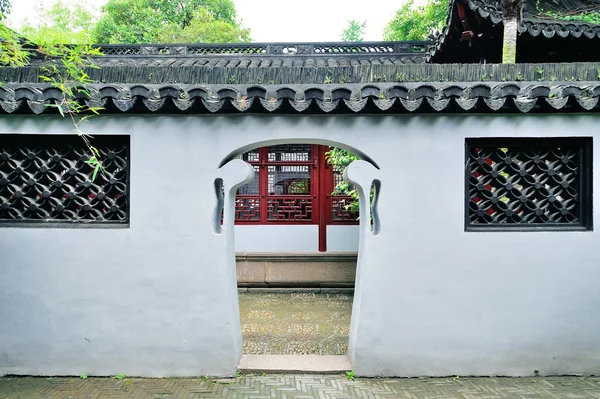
[[293, 184]]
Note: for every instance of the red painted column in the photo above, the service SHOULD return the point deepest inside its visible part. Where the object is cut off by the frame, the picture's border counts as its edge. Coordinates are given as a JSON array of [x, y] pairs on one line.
[[322, 194], [263, 183]]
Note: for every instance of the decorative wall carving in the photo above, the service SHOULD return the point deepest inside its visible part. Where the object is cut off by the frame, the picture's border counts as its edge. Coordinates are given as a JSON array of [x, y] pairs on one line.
[[45, 178], [529, 182]]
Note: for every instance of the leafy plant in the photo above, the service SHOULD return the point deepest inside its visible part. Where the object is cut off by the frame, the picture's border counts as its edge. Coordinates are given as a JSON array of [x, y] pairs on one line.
[[69, 76], [64, 22], [354, 32], [83, 376], [64, 70], [119, 377], [161, 21], [350, 374], [415, 22]]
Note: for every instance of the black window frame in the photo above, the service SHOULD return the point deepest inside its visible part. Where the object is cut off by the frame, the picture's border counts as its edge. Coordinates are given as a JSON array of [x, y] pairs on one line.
[[585, 175], [58, 139]]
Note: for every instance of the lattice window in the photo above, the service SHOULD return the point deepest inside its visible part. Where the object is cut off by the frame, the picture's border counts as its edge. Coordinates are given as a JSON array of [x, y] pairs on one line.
[[293, 183], [529, 183], [289, 180], [289, 153], [348, 49], [45, 178], [250, 49], [247, 209], [121, 50], [289, 209]]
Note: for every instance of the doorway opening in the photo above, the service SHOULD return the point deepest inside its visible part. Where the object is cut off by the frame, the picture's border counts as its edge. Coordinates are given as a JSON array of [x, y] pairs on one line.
[[291, 221], [297, 196]]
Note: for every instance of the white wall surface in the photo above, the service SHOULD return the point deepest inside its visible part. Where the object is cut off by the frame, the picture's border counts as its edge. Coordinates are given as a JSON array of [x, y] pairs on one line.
[[342, 238], [289, 238], [158, 298], [277, 238]]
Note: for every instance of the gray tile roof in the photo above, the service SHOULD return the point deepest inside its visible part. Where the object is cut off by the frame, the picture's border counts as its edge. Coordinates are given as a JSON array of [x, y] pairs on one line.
[[421, 97]]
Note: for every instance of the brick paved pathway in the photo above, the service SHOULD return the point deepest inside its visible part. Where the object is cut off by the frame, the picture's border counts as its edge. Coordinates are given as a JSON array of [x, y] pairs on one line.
[[295, 323], [300, 386]]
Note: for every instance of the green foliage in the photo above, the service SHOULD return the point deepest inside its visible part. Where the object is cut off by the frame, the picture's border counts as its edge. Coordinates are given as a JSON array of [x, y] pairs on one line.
[[160, 21], [591, 17], [66, 71], [66, 64], [4, 8], [119, 377], [205, 29], [354, 32], [350, 374], [64, 22], [12, 53], [415, 22], [340, 159], [83, 376]]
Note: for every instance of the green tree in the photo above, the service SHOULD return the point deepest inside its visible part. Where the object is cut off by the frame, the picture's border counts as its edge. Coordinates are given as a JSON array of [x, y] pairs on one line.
[[354, 32], [160, 21], [205, 29], [65, 23], [415, 22], [4, 8], [11, 44], [64, 70]]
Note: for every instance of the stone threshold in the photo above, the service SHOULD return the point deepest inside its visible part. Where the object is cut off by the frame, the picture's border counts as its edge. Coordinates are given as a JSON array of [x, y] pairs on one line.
[[308, 364], [289, 290], [296, 269], [296, 256]]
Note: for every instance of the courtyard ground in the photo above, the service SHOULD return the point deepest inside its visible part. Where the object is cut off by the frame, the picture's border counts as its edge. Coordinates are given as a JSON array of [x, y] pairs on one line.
[[300, 386], [292, 324], [297, 323]]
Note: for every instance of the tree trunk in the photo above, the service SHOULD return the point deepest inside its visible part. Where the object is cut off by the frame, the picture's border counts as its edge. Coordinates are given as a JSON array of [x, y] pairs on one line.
[[512, 14], [509, 47]]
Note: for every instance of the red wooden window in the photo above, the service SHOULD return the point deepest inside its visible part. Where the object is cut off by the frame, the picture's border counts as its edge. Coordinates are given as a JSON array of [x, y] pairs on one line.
[[293, 184]]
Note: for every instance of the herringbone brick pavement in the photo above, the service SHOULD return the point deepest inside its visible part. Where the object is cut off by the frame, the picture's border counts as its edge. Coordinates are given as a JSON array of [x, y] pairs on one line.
[[299, 387]]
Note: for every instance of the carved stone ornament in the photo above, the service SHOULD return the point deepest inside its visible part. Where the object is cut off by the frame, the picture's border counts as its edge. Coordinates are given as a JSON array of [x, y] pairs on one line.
[[212, 105], [300, 105], [243, 104], [11, 106], [466, 103], [411, 105], [525, 104], [494, 103], [384, 105], [557, 103], [182, 104], [270, 105], [438, 105], [328, 106], [124, 105], [587, 103], [154, 105], [36, 106], [356, 105]]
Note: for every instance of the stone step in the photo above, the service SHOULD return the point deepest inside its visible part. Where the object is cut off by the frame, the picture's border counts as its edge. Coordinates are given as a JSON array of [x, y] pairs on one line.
[[329, 364]]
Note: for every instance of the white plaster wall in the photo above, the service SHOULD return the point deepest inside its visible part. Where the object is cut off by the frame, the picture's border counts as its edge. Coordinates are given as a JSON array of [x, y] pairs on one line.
[[156, 299], [288, 238], [342, 238], [277, 238]]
